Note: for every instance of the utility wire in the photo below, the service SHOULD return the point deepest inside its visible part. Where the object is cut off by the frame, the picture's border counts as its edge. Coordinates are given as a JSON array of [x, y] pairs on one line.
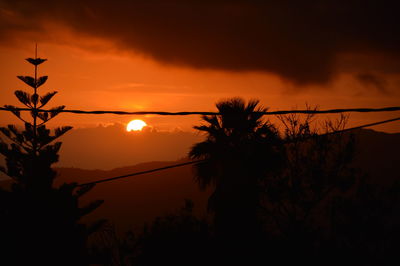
[[362, 126], [198, 161], [330, 111], [140, 173]]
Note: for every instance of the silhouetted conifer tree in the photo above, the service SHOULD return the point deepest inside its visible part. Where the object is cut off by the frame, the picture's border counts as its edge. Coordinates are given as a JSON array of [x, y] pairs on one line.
[[40, 223], [32, 150]]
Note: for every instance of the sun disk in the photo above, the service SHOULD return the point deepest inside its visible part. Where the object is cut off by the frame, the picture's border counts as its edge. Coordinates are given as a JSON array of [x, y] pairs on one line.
[[136, 125]]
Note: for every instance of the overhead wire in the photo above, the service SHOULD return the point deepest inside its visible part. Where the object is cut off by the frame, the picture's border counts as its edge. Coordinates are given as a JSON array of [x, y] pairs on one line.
[[141, 173], [197, 161], [184, 113]]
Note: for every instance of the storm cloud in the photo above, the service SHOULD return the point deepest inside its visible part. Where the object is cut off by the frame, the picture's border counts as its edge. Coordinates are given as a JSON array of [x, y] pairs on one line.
[[371, 80], [298, 40]]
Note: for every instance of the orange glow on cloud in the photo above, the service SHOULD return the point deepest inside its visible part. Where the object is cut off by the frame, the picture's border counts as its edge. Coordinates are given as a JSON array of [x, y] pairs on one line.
[[108, 80]]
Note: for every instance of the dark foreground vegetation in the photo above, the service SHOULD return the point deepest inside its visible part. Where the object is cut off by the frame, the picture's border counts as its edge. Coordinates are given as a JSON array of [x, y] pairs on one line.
[[277, 198]]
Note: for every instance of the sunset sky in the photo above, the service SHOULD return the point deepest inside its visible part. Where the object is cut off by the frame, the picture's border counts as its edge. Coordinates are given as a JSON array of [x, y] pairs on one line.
[[187, 55]]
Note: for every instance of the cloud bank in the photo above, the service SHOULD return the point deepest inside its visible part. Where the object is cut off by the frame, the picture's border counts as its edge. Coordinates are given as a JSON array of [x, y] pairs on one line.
[[297, 40]]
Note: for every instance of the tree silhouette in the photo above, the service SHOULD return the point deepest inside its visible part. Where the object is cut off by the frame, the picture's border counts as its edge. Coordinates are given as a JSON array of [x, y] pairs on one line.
[[31, 153], [298, 201], [39, 221], [240, 150], [178, 238]]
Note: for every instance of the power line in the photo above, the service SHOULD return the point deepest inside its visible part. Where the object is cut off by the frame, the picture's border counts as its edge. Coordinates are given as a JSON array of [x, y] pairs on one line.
[[140, 173], [197, 161], [329, 111], [362, 126]]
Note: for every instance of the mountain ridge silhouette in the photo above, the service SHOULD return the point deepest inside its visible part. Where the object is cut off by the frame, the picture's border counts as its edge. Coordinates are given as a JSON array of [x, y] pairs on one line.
[[133, 201]]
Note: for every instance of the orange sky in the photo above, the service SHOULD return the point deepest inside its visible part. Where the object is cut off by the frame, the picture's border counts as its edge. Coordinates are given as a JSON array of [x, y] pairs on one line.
[[186, 56], [113, 80]]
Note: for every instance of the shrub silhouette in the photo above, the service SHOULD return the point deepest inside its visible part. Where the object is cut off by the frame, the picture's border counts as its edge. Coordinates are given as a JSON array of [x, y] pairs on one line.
[[178, 239], [310, 204], [297, 201], [40, 223]]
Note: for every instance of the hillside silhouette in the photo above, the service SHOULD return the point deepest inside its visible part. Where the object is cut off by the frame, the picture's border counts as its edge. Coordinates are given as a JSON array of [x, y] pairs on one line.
[[377, 154], [135, 200], [127, 148]]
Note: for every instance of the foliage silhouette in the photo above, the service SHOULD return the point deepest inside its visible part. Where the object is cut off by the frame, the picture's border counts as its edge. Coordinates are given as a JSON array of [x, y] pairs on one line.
[[104, 247], [240, 150], [317, 167], [291, 198], [40, 223], [316, 208], [367, 225], [177, 238], [310, 206]]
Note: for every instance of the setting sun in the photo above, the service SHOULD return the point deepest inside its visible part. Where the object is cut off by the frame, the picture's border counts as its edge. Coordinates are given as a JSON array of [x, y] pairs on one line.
[[135, 125]]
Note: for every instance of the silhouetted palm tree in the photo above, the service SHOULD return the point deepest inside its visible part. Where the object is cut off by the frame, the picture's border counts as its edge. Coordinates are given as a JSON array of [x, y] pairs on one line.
[[239, 151]]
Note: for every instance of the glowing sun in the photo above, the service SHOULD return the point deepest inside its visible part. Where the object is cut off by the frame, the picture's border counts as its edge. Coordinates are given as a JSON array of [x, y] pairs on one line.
[[136, 125]]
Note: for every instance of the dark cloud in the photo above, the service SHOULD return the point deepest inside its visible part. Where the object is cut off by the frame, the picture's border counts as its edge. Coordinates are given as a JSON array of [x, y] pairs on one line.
[[299, 40], [374, 81]]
